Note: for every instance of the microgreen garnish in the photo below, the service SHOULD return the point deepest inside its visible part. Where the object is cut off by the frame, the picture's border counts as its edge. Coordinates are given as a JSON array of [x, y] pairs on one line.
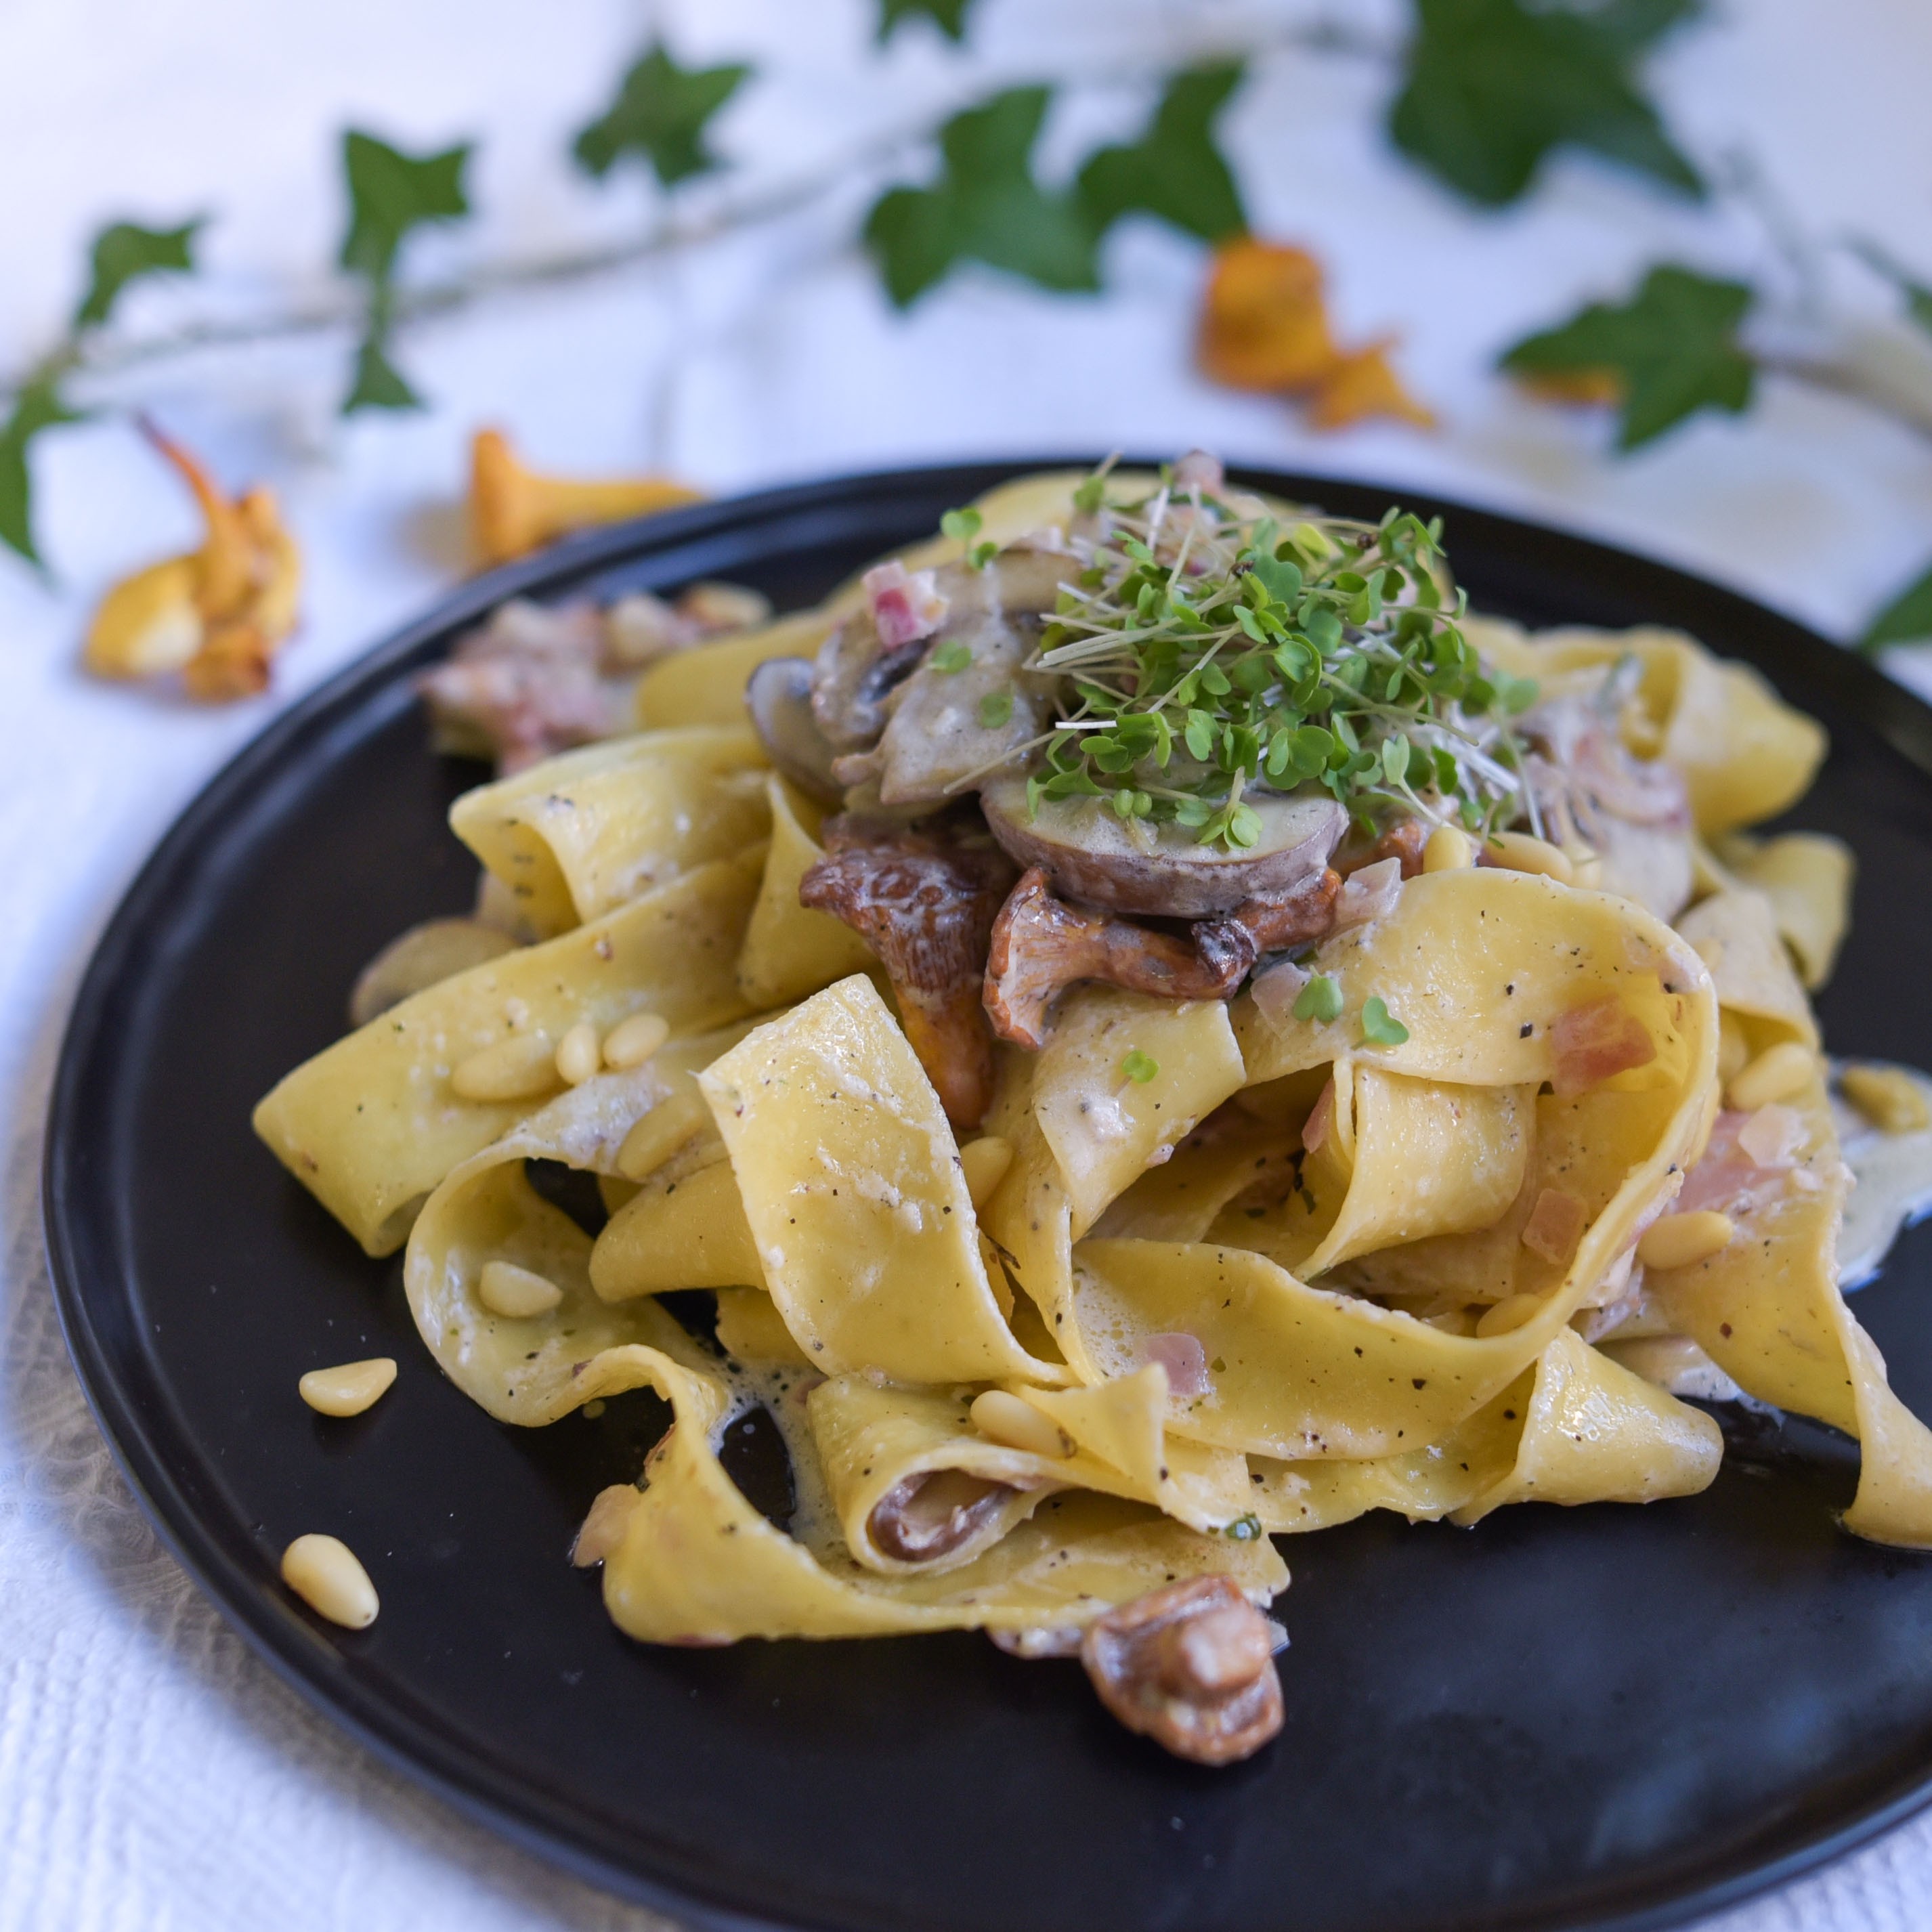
[[950, 656], [1321, 999], [962, 527], [1140, 1067], [1378, 1028], [1209, 652], [996, 708]]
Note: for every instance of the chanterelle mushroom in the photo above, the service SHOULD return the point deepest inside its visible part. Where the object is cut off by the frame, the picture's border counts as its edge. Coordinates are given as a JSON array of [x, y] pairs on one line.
[[925, 901], [1190, 1666], [1092, 854]]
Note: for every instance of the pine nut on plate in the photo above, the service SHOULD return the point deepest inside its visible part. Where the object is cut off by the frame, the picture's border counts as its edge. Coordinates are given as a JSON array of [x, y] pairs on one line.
[[350, 1388], [325, 1573], [1681, 1240], [578, 1054], [1776, 1074], [1523, 852], [632, 1042], [1449, 850], [505, 1288]]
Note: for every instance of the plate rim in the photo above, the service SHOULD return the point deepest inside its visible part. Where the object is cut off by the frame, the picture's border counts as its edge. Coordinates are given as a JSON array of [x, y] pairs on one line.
[[474, 1786]]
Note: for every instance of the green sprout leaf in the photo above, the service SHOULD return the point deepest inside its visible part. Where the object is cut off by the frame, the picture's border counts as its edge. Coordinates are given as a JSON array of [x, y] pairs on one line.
[[996, 709], [1320, 1000], [1673, 348], [953, 655], [1906, 619], [124, 252], [985, 206], [1378, 1028], [1140, 1067], [37, 408], [948, 15], [1493, 86], [660, 114], [378, 384], [961, 525], [1174, 172]]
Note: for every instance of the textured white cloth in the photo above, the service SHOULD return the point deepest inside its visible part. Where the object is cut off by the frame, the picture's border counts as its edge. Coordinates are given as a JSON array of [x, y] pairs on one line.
[[151, 1773]]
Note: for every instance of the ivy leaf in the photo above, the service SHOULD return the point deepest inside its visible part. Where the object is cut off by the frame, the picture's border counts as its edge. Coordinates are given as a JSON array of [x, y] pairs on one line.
[[660, 114], [378, 383], [986, 206], [123, 252], [390, 193], [1918, 296], [948, 15], [37, 407], [1493, 85], [1906, 619], [1671, 350], [1174, 172]]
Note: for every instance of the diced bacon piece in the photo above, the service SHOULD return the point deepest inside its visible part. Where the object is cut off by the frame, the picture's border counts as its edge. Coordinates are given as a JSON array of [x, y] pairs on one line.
[[1595, 1041], [1771, 1136], [1276, 990], [1555, 1226], [1368, 894], [1315, 1129], [1184, 1358], [906, 605]]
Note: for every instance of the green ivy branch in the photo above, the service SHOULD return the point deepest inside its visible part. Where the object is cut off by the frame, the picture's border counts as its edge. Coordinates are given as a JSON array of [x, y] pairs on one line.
[[1485, 93]]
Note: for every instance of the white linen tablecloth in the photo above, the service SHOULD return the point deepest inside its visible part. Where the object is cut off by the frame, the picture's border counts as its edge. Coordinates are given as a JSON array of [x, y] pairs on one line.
[[152, 1773]]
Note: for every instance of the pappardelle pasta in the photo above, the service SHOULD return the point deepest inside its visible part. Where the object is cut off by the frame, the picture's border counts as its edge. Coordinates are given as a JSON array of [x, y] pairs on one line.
[[1159, 1031]]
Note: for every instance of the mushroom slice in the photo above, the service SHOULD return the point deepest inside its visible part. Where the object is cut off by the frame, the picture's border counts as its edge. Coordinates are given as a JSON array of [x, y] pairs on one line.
[[925, 903], [928, 1517], [1190, 1666], [1283, 919], [1041, 946], [778, 696], [1090, 853]]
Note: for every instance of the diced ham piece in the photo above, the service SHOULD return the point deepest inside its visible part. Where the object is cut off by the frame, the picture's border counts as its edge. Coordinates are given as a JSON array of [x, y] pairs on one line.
[[906, 605], [1184, 1358], [1368, 894], [1555, 1226], [1593, 1042], [1771, 1136], [1729, 1179]]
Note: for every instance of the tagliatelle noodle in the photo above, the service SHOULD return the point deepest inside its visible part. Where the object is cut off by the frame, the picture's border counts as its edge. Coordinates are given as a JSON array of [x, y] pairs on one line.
[[706, 684], [1807, 876], [370, 1125], [851, 1183], [584, 832], [1767, 1310], [1736, 933], [790, 950], [684, 1227]]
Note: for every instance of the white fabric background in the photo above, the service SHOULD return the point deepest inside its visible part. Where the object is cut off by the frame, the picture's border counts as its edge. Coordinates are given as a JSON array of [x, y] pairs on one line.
[[151, 1773]]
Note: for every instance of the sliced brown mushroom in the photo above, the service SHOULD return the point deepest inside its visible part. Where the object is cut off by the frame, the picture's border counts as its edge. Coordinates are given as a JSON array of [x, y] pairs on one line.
[[1091, 854], [1404, 840], [925, 901], [1279, 920], [778, 696], [1041, 946], [928, 1517], [1190, 1666]]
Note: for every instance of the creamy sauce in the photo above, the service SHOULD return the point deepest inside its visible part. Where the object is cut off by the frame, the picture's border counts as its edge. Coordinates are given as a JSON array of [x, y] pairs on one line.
[[1893, 1189]]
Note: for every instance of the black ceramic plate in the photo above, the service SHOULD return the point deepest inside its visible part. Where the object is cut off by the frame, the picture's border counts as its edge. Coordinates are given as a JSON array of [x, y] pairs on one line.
[[1608, 1716]]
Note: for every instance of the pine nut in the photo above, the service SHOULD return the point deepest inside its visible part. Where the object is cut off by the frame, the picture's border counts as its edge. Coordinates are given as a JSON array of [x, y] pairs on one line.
[[1586, 869], [349, 1389], [632, 1042], [505, 1288], [1681, 1240], [324, 1572], [1015, 1424], [986, 1162], [1890, 1099], [578, 1055], [1734, 1053], [661, 1131], [517, 1068], [604, 1528], [1448, 850], [1776, 1074], [1511, 1312], [1521, 852]]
